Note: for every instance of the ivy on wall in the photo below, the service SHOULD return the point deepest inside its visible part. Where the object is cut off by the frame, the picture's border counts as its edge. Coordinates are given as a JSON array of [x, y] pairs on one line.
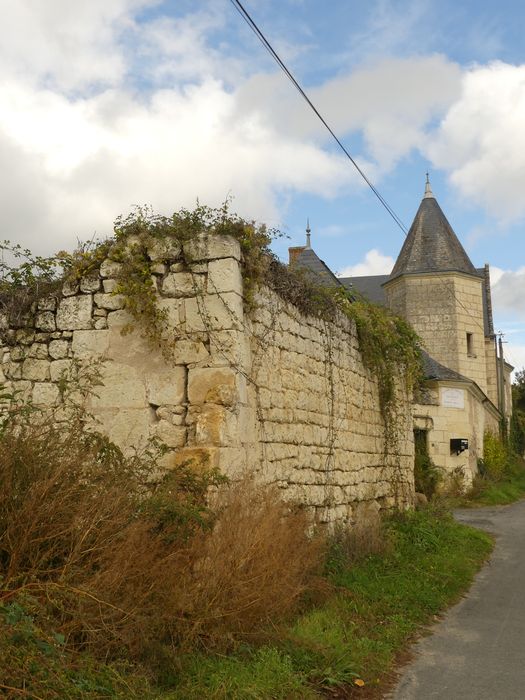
[[388, 345]]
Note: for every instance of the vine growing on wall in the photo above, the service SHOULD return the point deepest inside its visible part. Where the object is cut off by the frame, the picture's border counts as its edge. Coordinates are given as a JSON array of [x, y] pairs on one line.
[[144, 240]]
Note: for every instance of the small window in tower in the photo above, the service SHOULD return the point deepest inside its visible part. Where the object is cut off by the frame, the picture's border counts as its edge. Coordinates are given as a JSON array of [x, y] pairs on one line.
[[470, 345]]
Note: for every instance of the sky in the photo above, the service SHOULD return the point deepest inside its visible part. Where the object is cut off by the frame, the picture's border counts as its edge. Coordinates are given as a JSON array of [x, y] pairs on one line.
[[110, 104]]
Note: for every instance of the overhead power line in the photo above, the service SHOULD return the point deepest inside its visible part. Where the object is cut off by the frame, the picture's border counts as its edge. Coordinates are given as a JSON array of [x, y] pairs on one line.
[[264, 41], [253, 26]]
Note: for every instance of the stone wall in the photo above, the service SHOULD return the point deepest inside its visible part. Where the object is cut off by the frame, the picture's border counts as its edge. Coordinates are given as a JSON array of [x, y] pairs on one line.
[[319, 430], [270, 390], [443, 308], [470, 418]]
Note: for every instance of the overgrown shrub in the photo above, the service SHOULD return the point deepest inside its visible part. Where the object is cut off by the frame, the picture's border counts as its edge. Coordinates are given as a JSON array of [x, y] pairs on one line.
[[35, 662], [253, 568], [351, 545], [501, 473], [517, 432], [426, 475], [496, 457], [126, 558]]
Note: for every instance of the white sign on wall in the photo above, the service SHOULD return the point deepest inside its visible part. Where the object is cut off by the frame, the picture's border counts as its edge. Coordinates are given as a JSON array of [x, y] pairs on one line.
[[453, 398]]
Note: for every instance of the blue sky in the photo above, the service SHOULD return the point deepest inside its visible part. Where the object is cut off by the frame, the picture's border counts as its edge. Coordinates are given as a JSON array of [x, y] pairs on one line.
[[113, 103]]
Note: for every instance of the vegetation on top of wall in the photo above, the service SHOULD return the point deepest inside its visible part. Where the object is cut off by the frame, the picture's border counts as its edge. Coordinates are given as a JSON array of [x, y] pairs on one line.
[[25, 278], [389, 346]]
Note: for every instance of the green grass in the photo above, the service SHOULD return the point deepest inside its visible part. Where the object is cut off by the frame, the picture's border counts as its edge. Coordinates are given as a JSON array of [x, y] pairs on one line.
[[374, 609], [510, 487], [35, 663]]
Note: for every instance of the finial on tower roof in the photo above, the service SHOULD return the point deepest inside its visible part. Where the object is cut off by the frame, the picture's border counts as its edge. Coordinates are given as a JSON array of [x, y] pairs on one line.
[[308, 231], [428, 189]]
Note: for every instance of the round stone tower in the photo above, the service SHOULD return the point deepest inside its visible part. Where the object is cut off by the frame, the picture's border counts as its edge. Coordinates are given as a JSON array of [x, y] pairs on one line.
[[435, 286]]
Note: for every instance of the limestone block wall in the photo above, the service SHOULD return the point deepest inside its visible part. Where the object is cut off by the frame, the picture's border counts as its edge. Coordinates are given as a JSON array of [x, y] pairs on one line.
[[469, 419], [269, 390], [443, 309], [428, 303], [469, 295], [319, 430]]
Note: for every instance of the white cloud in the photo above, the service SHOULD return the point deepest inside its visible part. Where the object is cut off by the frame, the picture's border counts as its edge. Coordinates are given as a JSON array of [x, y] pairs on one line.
[[88, 160], [175, 50], [508, 292], [390, 102], [374, 263], [83, 141], [481, 140], [66, 45], [496, 273], [515, 355], [508, 301]]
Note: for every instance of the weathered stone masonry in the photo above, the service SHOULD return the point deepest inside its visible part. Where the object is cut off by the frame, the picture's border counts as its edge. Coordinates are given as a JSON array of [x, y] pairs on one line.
[[268, 390]]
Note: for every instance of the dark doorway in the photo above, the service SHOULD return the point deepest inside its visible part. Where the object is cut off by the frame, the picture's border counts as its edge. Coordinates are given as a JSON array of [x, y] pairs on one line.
[[426, 475]]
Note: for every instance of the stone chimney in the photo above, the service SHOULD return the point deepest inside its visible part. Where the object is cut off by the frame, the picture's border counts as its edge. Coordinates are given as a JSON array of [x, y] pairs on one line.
[[295, 251]]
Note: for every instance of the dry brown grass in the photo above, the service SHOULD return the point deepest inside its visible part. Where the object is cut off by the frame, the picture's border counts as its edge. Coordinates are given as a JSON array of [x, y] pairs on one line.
[[254, 567], [124, 564], [366, 537]]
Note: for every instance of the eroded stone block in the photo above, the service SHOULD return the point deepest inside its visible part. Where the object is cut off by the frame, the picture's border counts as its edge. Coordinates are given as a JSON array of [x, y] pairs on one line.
[[171, 435], [47, 304], [88, 345], [45, 321], [113, 302], [90, 283], [224, 276], [58, 349], [110, 268], [188, 352], [60, 369], [216, 425], [214, 312], [206, 247], [164, 249], [212, 385], [45, 394], [74, 313], [166, 387], [182, 284], [35, 370]]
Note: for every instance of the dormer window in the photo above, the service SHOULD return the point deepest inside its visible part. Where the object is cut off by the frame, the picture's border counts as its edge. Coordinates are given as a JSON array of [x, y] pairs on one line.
[[470, 345]]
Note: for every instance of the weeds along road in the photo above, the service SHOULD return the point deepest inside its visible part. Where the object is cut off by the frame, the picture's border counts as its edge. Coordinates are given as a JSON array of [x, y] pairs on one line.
[[477, 651]]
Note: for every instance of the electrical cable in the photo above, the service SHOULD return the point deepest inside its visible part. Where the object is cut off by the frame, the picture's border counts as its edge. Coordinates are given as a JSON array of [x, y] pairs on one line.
[[253, 26], [264, 41]]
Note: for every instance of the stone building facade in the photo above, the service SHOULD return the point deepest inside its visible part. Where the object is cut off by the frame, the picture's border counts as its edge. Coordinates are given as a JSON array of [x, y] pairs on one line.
[[435, 286]]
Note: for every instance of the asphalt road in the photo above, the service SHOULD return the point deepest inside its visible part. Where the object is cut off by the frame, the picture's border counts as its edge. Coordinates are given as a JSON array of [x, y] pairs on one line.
[[477, 652]]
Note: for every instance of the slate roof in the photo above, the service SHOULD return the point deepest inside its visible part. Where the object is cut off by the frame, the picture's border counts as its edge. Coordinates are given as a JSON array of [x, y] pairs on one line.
[[308, 260], [432, 369], [431, 245], [371, 288]]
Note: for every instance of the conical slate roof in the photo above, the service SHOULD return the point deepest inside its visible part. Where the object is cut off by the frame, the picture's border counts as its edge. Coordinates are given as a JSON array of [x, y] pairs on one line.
[[431, 244]]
